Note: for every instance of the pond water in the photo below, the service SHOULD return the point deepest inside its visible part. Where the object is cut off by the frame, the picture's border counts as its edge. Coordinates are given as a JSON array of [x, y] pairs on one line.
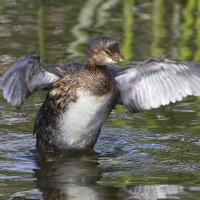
[[144, 156]]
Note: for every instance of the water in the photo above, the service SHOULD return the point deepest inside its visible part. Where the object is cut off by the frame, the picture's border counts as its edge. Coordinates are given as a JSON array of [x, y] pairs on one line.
[[145, 156]]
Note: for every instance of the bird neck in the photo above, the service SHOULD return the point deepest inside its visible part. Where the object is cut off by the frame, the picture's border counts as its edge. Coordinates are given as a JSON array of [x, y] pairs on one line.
[[90, 64]]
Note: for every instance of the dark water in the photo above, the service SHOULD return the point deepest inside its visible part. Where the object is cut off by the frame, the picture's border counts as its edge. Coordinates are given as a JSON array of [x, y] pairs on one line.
[[146, 156]]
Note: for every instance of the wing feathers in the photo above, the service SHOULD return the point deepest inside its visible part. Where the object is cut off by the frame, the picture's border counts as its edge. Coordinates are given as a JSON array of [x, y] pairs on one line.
[[23, 78], [157, 82]]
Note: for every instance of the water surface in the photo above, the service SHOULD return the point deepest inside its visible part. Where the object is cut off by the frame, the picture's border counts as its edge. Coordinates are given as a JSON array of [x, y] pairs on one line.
[[144, 156]]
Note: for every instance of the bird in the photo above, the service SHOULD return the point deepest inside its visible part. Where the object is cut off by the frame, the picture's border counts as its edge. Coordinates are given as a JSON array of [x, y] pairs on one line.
[[81, 95]]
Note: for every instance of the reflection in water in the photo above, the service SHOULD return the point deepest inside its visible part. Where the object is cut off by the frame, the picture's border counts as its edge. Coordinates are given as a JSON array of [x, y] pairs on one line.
[[92, 15], [41, 32], [75, 177], [103, 12], [72, 177], [159, 27], [127, 49], [153, 192], [197, 39], [187, 29], [2, 6], [176, 32], [85, 20]]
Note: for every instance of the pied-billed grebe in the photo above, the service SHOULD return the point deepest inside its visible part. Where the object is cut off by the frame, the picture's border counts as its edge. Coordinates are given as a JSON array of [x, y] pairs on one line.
[[81, 96]]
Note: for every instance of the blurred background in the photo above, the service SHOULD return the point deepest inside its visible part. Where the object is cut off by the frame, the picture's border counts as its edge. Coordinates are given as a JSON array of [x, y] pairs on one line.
[[59, 30], [144, 156]]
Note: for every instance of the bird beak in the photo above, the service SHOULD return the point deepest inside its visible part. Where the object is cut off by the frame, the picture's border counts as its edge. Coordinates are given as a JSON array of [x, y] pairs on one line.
[[117, 57]]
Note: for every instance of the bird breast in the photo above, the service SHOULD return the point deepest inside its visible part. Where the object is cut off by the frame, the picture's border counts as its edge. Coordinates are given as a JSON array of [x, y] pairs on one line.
[[81, 122]]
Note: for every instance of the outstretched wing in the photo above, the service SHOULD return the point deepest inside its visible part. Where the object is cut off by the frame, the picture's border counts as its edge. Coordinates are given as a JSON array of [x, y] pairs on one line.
[[157, 82], [23, 78]]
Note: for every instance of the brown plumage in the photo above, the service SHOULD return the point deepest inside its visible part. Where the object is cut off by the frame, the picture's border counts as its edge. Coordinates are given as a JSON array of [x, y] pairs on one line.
[[97, 81], [94, 78]]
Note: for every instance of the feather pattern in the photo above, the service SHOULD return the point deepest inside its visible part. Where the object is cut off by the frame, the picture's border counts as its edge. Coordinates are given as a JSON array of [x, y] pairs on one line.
[[23, 78], [157, 82]]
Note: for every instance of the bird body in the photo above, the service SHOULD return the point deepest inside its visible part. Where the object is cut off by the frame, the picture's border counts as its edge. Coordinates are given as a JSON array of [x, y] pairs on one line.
[[75, 110]]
